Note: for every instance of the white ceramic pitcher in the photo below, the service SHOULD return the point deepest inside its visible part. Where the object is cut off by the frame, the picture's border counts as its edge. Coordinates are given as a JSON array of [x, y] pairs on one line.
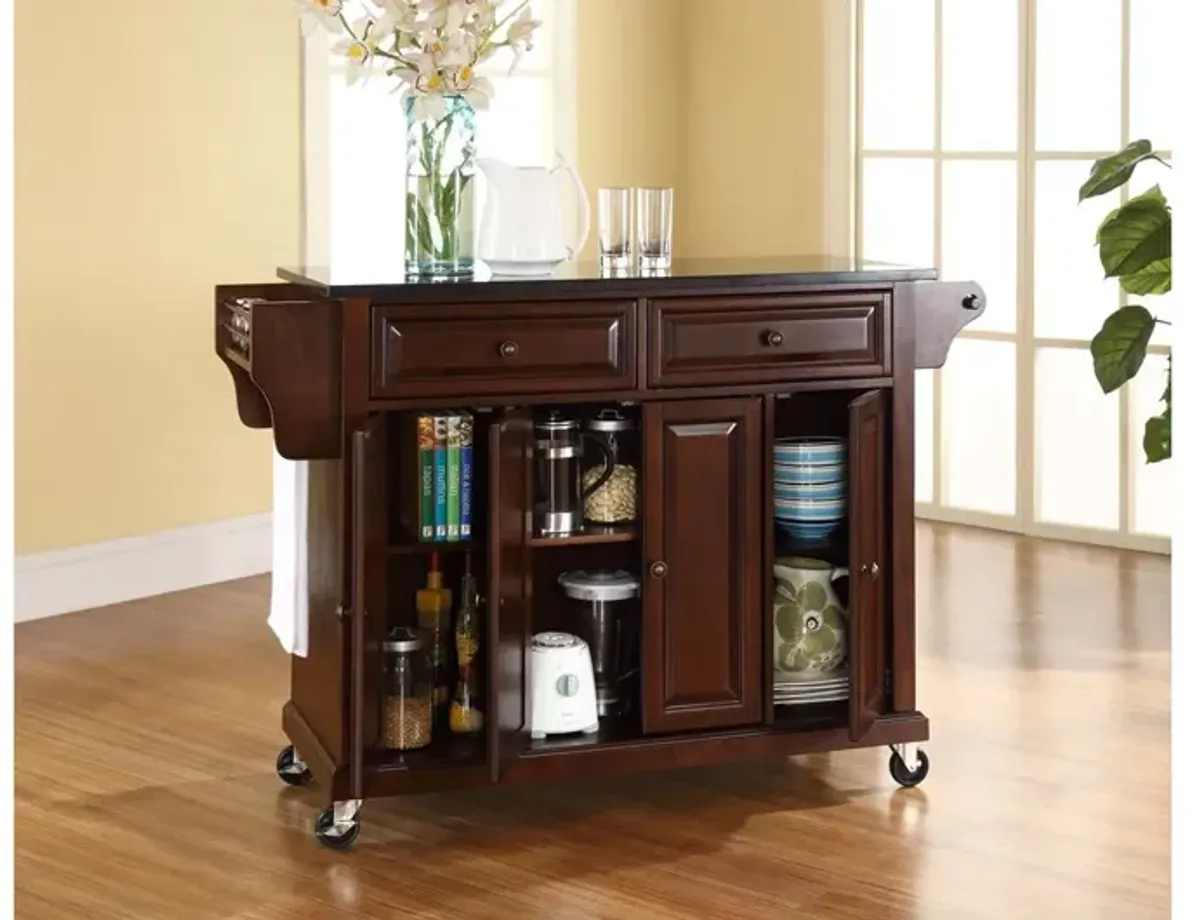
[[810, 622], [524, 223]]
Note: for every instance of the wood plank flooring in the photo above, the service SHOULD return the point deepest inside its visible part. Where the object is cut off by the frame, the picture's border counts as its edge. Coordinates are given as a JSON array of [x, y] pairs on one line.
[[145, 788]]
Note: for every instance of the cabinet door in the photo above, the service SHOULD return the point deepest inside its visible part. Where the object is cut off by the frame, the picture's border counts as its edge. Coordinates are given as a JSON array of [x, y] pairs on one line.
[[368, 588], [868, 521], [702, 619], [511, 444]]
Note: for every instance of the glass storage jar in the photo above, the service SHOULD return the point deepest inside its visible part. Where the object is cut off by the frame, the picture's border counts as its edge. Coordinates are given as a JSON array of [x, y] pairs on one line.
[[615, 500], [407, 691]]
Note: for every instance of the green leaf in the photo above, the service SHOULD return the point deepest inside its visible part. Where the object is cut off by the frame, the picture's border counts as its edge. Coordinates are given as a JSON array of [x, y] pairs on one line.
[[1135, 235], [1156, 440], [1119, 348], [784, 590], [1114, 171], [1154, 278]]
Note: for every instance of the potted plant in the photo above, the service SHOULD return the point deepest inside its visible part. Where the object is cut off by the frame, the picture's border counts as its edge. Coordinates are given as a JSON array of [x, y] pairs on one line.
[[1134, 243], [431, 51]]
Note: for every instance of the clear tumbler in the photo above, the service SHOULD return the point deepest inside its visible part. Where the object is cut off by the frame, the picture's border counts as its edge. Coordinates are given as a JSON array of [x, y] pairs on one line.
[[654, 228]]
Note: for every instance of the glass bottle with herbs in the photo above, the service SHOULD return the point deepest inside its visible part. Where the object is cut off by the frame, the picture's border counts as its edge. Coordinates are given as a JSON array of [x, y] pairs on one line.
[[466, 706]]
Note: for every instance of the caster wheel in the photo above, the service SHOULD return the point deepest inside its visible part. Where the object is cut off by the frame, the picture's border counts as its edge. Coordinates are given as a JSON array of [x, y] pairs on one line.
[[291, 769], [330, 835], [904, 776]]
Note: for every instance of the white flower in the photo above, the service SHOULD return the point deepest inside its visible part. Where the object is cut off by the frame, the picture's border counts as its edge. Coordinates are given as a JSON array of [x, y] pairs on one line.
[[357, 55], [479, 94], [520, 31], [319, 13], [429, 106]]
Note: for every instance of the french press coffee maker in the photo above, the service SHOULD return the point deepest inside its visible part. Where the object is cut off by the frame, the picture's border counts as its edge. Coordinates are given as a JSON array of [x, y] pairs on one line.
[[558, 455]]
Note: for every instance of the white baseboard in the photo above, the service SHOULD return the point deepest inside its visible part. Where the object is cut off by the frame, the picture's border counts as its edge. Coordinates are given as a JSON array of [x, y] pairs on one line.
[[82, 577]]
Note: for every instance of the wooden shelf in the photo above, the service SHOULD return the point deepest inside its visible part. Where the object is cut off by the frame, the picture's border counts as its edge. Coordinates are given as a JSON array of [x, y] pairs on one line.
[[424, 549], [446, 751], [618, 730], [591, 535]]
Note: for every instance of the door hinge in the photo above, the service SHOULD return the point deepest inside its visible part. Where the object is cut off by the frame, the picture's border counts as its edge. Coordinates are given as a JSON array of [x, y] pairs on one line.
[[887, 680]]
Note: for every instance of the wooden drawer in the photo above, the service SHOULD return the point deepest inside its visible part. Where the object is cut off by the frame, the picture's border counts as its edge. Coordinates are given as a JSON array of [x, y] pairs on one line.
[[491, 349], [768, 338]]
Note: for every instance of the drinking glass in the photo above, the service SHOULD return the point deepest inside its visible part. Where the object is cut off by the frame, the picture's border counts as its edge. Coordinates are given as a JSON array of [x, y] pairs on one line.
[[654, 228], [616, 227]]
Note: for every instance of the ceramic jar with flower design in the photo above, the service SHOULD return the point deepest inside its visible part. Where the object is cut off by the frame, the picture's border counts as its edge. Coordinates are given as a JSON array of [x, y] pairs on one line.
[[810, 622]]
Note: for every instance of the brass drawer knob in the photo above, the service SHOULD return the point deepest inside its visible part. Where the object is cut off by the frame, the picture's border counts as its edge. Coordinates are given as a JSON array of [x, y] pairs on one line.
[[774, 338], [658, 570], [508, 349]]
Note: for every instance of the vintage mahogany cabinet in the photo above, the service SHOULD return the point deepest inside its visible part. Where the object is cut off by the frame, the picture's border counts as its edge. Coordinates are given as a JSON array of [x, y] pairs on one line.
[[716, 359]]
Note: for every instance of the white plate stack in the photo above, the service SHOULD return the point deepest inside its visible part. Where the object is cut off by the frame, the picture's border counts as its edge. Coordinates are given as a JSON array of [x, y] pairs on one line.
[[797, 690]]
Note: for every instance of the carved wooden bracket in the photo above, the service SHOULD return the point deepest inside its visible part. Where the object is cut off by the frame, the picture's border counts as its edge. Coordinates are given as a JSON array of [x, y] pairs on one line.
[[943, 310], [285, 358]]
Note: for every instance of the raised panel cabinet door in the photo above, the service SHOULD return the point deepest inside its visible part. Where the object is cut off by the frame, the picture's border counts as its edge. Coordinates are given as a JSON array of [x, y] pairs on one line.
[[368, 587], [702, 613], [510, 471], [868, 542]]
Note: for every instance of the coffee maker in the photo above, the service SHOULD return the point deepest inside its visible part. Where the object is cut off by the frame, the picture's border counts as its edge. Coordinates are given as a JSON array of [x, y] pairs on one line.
[[607, 615]]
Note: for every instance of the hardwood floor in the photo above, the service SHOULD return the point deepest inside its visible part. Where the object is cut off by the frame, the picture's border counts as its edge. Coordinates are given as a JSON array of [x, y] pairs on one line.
[[146, 737]]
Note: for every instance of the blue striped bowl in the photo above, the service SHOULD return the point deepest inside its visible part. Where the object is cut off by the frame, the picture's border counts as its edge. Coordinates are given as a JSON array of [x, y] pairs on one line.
[[809, 473], [811, 491], [810, 450], [809, 510], [809, 533]]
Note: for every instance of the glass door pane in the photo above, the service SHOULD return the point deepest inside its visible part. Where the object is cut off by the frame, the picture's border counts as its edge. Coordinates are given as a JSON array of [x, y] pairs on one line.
[[979, 75], [1078, 75], [979, 235], [1071, 296], [1076, 442], [1153, 99], [898, 91], [897, 211], [979, 425]]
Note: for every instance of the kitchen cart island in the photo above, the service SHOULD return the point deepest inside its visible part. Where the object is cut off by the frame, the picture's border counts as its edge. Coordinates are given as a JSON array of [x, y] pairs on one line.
[[716, 361]]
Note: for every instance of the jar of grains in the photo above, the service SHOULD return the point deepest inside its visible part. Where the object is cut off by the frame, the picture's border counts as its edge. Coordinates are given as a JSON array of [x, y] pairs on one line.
[[407, 691], [616, 500]]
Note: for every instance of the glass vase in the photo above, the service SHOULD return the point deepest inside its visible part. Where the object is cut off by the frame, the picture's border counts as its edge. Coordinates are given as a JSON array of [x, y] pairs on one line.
[[440, 218]]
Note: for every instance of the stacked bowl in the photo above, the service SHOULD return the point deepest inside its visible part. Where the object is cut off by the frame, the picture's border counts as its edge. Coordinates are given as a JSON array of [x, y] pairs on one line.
[[810, 487]]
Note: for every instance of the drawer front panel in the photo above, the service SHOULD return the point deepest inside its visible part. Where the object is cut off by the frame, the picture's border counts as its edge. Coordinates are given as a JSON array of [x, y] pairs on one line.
[[502, 348], [766, 339]]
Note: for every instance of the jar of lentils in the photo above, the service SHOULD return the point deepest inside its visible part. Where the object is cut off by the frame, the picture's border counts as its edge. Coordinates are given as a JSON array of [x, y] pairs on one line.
[[616, 501], [407, 714]]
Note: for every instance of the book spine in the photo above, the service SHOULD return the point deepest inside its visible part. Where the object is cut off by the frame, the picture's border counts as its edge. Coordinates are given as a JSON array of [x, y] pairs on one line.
[[439, 478], [425, 446], [466, 437], [452, 477]]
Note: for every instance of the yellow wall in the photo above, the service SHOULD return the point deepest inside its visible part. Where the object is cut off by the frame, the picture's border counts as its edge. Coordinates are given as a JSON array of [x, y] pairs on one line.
[[755, 146], [157, 152], [630, 109]]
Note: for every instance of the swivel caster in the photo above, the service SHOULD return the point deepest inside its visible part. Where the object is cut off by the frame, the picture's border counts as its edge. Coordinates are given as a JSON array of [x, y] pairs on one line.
[[290, 768], [337, 827], [902, 772]]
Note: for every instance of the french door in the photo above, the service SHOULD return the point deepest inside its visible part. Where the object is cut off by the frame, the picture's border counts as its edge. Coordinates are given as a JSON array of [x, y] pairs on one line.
[[976, 123]]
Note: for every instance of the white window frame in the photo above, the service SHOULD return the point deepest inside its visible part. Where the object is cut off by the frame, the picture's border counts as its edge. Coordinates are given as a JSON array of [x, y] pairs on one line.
[[1024, 520], [317, 68]]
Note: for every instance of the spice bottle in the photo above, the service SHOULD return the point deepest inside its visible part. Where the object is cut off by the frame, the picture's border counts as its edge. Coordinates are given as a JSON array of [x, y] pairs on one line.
[[407, 707], [466, 710], [434, 603]]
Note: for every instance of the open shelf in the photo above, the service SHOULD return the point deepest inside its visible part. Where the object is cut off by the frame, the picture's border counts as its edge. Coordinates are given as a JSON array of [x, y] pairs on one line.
[[425, 549], [591, 534], [811, 716], [614, 731], [446, 751]]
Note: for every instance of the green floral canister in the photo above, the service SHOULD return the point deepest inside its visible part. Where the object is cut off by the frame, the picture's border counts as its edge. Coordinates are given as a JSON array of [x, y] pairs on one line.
[[810, 621]]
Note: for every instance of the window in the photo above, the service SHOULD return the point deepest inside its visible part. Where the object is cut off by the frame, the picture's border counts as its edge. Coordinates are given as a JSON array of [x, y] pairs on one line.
[[355, 139], [974, 134]]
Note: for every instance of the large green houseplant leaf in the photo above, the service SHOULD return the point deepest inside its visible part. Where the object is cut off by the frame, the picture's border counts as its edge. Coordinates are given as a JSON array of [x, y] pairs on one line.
[[1134, 242]]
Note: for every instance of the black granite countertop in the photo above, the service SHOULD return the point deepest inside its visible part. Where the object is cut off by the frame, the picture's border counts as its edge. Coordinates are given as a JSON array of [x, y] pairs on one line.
[[733, 272]]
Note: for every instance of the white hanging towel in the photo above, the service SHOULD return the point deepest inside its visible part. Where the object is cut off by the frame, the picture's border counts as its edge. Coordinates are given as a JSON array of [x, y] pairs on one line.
[[288, 618]]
